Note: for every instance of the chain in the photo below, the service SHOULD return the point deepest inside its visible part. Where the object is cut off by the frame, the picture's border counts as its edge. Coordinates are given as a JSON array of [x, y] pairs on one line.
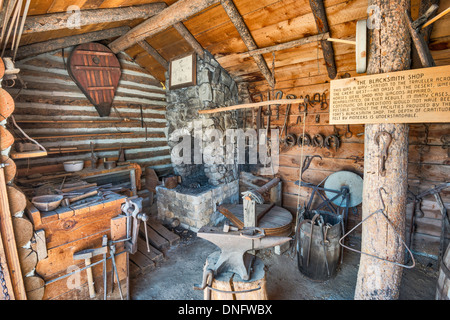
[[3, 283]]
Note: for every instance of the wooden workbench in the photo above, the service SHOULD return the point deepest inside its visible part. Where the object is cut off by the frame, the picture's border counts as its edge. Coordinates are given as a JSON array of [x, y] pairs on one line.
[[88, 174], [68, 231]]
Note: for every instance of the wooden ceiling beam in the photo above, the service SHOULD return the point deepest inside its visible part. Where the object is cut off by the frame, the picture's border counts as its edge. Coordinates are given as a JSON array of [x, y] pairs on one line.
[[60, 43], [179, 11], [318, 10], [154, 53], [287, 45], [187, 35], [246, 36], [58, 21]]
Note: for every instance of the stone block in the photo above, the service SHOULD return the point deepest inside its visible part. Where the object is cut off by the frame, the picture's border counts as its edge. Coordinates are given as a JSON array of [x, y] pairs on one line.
[[204, 76], [205, 92]]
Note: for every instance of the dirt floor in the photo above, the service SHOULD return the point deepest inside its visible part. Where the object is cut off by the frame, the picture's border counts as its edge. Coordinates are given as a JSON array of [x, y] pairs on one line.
[[175, 277]]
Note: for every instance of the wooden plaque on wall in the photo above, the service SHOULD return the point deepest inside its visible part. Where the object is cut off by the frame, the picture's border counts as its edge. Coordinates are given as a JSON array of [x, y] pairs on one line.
[[411, 96], [96, 71]]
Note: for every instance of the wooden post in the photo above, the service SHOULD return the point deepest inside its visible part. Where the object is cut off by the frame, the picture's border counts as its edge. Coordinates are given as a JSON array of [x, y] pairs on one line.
[[389, 50], [9, 242]]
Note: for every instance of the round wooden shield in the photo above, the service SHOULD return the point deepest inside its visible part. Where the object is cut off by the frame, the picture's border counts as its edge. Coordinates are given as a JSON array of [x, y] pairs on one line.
[[6, 104], [6, 138]]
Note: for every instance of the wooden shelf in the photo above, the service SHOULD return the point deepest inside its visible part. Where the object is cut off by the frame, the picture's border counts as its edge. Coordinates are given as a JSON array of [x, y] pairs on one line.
[[28, 154]]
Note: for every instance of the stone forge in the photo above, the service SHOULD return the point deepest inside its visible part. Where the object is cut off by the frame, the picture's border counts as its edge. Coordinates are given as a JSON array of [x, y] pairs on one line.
[[204, 184], [195, 210]]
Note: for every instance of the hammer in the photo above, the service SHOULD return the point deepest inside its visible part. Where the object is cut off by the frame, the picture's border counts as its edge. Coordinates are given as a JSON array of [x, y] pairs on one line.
[[67, 201], [87, 255]]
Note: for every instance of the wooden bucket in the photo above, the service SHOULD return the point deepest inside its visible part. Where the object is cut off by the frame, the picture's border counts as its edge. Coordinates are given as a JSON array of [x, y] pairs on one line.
[[443, 285], [319, 259]]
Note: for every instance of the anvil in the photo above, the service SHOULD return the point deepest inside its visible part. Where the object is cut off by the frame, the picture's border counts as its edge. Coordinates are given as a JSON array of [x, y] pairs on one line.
[[234, 246]]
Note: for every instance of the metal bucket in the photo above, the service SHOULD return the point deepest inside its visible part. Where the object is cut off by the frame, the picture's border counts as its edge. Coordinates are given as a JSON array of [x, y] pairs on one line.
[[318, 250]]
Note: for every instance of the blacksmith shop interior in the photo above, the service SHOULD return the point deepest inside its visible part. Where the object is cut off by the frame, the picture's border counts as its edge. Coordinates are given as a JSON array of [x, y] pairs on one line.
[[224, 150]]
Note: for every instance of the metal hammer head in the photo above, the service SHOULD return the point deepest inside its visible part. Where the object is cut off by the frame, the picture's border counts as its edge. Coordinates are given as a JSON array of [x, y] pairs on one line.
[[89, 253]]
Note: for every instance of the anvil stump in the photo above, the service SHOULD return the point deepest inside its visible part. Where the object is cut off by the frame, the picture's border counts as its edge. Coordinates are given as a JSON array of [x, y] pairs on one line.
[[229, 281]]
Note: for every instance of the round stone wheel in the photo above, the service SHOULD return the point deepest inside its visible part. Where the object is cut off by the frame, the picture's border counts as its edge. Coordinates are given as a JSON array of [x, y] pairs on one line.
[[230, 286]]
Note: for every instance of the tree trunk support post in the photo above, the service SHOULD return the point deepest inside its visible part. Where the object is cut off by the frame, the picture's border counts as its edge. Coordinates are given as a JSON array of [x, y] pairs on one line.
[[389, 51]]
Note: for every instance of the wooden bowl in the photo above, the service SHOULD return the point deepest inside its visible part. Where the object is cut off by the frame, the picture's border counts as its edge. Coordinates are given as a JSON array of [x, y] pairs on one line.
[[47, 202]]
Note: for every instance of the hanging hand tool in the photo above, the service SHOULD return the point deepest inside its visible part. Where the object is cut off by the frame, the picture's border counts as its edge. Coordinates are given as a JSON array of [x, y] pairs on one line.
[[348, 134], [259, 125], [94, 158], [86, 255], [318, 140], [278, 96], [316, 99], [332, 138], [289, 139], [112, 250], [304, 140], [305, 107], [323, 103], [384, 152]]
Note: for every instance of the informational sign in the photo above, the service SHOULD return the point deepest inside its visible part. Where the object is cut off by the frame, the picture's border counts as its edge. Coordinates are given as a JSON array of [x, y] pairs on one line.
[[411, 96]]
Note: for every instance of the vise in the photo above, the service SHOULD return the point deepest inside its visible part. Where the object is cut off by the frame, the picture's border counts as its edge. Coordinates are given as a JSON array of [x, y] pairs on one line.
[[234, 246]]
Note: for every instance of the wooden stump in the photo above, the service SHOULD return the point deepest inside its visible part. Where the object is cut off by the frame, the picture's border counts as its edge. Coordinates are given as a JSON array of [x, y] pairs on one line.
[[228, 282]]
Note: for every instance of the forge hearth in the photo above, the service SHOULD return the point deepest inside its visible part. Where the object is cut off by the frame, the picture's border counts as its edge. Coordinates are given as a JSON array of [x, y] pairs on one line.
[[195, 207]]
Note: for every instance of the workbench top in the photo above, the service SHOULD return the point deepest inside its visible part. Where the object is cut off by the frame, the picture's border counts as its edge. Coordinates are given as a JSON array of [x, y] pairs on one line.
[[110, 199]]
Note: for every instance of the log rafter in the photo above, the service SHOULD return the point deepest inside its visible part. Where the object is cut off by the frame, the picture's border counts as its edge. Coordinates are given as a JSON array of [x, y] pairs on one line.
[[59, 21], [318, 10], [246, 36]]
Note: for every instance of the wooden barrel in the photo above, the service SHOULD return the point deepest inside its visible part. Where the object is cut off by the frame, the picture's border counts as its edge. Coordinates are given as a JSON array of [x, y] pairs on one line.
[[443, 285], [230, 286]]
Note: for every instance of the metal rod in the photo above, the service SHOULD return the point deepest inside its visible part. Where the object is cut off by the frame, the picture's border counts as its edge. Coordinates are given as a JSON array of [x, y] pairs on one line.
[[79, 270]]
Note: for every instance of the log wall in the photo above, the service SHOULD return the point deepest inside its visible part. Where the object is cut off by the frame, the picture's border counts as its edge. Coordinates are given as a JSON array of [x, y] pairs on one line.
[[50, 94]]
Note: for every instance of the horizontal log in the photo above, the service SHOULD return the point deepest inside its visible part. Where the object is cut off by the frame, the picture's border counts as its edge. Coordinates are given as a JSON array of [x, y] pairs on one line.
[[286, 45], [58, 21], [175, 13], [252, 105], [55, 44]]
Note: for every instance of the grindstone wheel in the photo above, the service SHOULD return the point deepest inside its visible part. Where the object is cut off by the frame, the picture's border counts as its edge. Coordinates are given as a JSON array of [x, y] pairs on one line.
[[352, 181]]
